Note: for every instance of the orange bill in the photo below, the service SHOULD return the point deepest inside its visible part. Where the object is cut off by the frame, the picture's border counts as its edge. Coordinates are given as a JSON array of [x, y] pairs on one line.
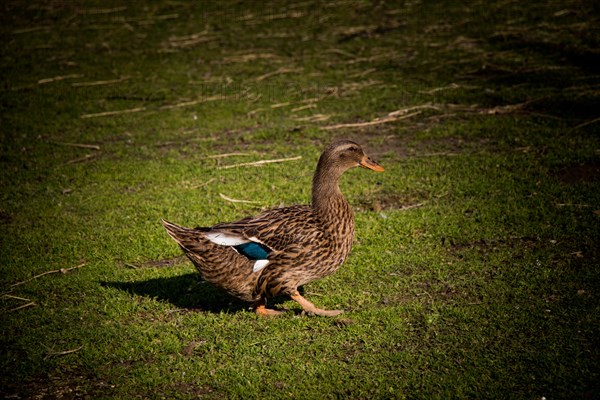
[[366, 162]]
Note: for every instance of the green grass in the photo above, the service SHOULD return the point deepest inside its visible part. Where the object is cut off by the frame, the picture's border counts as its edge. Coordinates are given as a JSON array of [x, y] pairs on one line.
[[475, 269]]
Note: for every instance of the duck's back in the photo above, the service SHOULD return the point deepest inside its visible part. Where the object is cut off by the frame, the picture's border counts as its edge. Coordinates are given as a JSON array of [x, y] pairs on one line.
[[279, 228]]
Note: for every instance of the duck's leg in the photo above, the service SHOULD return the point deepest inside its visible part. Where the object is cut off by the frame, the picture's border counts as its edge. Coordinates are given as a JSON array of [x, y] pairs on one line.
[[260, 307], [310, 308]]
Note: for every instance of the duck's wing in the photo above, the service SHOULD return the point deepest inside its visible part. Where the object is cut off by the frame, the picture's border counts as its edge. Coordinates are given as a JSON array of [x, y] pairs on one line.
[[275, 230]]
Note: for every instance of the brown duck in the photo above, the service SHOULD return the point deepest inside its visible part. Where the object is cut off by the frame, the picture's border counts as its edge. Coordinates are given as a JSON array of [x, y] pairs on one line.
[[281, 249]]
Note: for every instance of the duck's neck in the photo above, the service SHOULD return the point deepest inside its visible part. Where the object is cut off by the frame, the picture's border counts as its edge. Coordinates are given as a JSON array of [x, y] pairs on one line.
[[327, 199]]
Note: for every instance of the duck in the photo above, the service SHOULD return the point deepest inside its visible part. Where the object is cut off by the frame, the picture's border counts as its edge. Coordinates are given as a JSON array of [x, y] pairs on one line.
[[281, 249]]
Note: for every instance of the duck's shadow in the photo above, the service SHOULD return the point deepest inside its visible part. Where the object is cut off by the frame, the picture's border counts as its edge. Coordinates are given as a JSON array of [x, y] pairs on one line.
[[187, 291]]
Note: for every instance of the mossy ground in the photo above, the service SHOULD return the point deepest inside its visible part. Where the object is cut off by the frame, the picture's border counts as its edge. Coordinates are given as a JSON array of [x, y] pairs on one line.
[[475, 273]]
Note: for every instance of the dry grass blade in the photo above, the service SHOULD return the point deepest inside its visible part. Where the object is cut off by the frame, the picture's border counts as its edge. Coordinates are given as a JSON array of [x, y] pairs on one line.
[[280, 71], [439, 154], [10, 296], [31, 304], [404, 111], [99, 83], [97, 11], [261, 162], [243, 58], [186, 38], [376, 121], [31, 29], [363, 73], [411, 206], [61, 270], [313, 118], [189, 185], [256, 111], [58, 78], [507, 109], [81, 145], [229, 199], [111, 113], [229, 155], [28, 303], [304, 107], [285, 104], [179, 43], [63, 353], [586, 123], [194, 102], [440, 89], [87, 157]]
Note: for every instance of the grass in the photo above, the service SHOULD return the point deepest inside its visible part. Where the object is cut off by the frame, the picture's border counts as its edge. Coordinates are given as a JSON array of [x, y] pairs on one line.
[[475, 269]]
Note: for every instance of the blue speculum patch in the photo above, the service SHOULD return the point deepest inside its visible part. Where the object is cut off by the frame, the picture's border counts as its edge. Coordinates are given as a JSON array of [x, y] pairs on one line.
[[254, 251]]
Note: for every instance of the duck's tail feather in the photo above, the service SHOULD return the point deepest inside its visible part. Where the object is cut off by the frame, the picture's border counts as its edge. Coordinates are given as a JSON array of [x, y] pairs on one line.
[[175, 231], [185, 237], [197, 242]]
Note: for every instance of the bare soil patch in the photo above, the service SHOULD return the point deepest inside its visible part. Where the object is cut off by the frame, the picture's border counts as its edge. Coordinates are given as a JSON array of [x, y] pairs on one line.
[[578, 173]]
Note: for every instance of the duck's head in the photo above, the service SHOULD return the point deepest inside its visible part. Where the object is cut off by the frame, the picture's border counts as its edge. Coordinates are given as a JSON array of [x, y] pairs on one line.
[[345, 154], [337, 158]]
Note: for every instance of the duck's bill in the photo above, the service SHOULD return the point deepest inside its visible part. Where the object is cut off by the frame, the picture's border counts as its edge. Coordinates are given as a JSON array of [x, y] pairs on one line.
[[366, 162]]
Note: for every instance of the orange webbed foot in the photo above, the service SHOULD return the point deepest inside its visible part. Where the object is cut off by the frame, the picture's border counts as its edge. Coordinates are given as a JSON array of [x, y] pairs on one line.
[[260, 307], [311, 309]]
